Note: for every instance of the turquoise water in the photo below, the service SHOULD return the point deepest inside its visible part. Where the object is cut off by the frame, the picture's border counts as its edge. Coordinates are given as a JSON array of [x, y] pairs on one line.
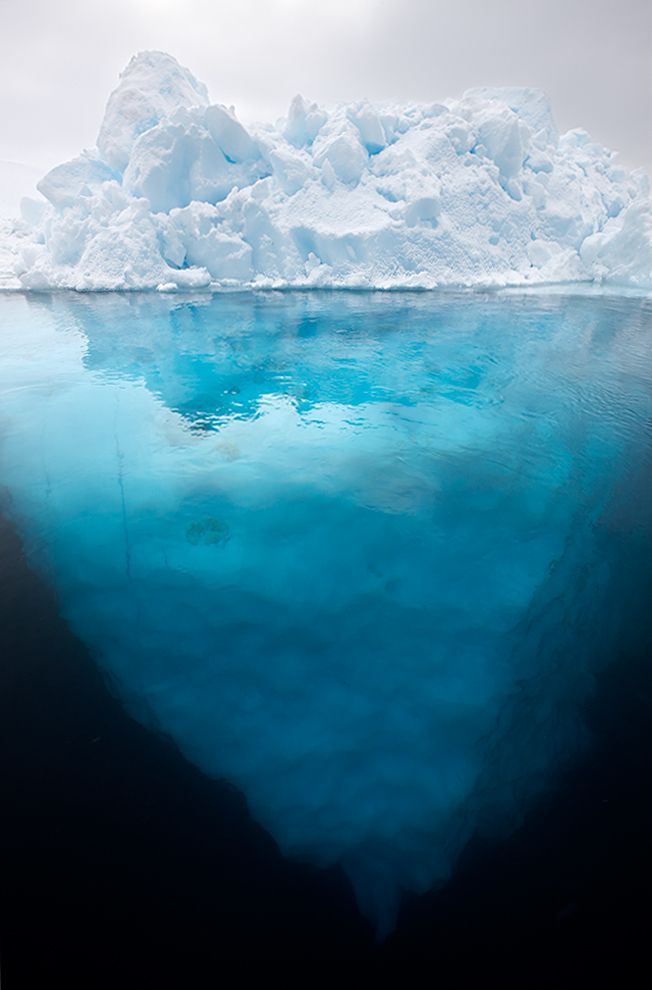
[[363, 556]]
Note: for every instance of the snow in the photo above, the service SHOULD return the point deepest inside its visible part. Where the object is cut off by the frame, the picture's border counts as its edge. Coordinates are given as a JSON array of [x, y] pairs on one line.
[[476, 191]]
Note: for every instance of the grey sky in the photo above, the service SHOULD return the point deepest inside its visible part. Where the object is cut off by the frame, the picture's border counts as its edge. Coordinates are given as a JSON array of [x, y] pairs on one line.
[[59, 59]]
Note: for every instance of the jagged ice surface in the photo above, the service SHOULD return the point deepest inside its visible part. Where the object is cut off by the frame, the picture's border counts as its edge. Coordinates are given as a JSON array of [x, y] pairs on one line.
[[482, 190]]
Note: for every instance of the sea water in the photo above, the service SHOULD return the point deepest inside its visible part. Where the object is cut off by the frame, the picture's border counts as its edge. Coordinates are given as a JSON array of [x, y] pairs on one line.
[[363, 556]]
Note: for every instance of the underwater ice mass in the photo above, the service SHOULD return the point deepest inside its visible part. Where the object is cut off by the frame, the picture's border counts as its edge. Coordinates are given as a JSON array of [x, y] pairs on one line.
[[360, 555], [178, 194]]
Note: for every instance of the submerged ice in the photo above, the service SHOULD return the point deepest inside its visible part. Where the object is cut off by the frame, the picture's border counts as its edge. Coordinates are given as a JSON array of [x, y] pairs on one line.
[[179, 194], [354, 555]]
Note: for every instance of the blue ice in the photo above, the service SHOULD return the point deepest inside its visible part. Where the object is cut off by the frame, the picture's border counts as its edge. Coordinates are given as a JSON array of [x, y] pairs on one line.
[[353, 553]]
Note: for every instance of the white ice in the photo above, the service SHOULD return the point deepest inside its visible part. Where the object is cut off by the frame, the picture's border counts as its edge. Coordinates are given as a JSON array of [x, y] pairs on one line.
[[476, 191]]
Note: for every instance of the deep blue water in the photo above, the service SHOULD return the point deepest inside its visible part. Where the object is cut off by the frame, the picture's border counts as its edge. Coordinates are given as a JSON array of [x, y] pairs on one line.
[[377, 561]]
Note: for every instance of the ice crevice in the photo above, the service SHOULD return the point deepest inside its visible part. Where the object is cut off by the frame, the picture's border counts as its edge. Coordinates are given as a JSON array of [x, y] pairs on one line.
[[179, 194]]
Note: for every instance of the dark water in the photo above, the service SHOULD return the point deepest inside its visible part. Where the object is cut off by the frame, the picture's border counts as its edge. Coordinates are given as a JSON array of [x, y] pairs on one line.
[[123, 861]]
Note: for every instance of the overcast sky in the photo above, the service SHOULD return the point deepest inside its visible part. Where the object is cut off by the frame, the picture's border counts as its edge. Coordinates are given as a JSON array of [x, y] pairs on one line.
[[59, 59]]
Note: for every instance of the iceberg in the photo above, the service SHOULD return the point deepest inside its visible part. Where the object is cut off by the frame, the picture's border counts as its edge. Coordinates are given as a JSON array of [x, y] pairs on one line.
[[179, 194], [362, 556]]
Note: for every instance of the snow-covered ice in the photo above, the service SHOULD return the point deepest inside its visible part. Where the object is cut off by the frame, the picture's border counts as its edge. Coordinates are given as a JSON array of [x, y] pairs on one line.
[[178, 194]]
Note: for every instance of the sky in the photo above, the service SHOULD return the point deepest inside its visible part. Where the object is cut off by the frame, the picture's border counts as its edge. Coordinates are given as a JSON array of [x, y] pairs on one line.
[[59, 59]]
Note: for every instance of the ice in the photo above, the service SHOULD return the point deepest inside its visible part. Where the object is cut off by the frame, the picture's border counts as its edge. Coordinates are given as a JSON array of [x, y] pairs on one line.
[[354, 555], [530, 105], [195, 156], [82, 177], [478, 191], [304, 122], [475, 191], [151, 88], [370, 127], [624, 249]]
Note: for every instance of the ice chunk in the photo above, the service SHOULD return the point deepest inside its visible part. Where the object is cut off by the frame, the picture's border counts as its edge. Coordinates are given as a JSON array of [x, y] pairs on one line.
[[531, 105], [291, 170], [229, 135], [623, 250], [211, 245], [501, 139], [65, 184], [370, 127], [197, 155], [344, 154], [152, 87], [304, 122]]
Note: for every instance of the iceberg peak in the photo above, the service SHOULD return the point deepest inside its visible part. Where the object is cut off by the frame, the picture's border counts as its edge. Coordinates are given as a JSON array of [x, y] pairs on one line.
[[152, 86]]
